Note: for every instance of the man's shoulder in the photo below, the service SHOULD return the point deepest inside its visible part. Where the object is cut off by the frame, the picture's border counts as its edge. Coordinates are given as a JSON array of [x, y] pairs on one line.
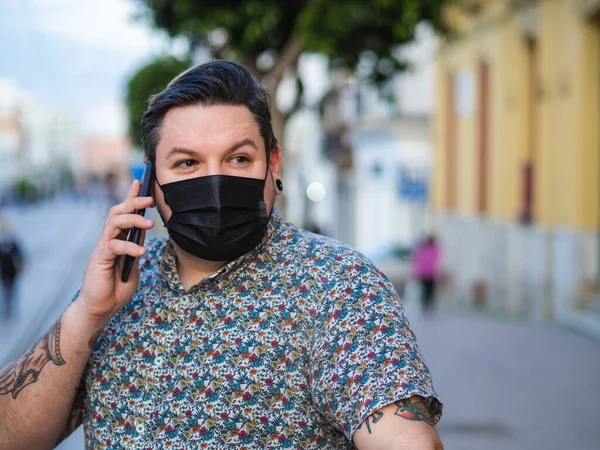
[[315, 250]]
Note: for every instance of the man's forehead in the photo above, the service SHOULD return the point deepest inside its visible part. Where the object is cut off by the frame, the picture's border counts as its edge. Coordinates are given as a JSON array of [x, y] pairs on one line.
[[200, 128], [212, 115]]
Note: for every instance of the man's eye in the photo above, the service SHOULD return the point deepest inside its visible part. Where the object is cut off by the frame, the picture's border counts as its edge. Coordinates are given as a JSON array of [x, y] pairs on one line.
[[240, 159], [186, 163]]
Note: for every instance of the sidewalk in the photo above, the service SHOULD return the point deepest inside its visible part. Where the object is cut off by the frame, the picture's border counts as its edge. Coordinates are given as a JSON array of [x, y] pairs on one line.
[[509, 384], [57, 238]]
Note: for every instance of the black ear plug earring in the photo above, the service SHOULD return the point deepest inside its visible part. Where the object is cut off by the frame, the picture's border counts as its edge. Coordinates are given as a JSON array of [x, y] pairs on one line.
[[279, 184]]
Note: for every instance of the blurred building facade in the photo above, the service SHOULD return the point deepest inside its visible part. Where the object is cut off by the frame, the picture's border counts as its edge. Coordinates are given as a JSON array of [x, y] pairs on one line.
[[106, 155], [11, 135], [517, 157], [36, 144], [370, 149]]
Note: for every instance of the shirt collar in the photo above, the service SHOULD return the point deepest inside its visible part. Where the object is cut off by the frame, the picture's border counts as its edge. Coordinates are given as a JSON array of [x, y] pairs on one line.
[[167, 260]]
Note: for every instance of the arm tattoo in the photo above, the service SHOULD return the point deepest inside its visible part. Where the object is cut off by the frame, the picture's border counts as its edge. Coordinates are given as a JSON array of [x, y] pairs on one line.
[[375, 417], [413, 409], [94, 339], [20, 374], [76, 417]]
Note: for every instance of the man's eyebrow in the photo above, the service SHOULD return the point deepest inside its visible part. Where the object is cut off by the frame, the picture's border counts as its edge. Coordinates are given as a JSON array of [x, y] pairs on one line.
[[179, 150], [242, 143], [193, 154]]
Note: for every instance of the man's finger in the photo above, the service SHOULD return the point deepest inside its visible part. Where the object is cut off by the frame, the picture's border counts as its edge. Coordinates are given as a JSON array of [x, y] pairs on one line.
[[140, 203], [134, 190], [135, 274], [115, 225], [116, 247], [130, 205]]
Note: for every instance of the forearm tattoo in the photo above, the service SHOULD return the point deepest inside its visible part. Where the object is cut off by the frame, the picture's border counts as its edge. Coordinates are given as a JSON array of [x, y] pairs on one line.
[[25, 371], [94, 339], [76, 417]]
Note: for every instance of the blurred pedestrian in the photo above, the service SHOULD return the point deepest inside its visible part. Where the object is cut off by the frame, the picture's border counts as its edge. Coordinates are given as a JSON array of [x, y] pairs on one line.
[[425, 262], [11, 264]]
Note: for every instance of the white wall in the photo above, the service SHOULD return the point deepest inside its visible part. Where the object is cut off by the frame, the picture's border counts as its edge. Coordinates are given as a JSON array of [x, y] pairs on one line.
[[414, 88], [65, 139], [9, 137], [45, 139], [384, 218], [375, 156], [305, 165]]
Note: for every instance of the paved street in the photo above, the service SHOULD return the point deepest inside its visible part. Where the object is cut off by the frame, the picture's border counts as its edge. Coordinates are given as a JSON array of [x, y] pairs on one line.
[[511, 385], [57, 238], [505, 384]]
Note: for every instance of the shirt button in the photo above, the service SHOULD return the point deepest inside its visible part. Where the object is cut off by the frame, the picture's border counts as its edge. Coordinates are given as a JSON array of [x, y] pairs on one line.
[[140, 429]]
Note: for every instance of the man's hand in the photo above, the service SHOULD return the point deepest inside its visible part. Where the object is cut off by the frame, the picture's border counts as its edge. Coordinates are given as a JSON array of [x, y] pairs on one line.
[[103, 293], [403, 425]]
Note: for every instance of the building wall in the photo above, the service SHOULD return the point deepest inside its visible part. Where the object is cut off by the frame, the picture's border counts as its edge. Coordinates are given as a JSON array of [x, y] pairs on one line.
[[566, 162], [382, 217], [106, 155], [35, 142], [544, 108]]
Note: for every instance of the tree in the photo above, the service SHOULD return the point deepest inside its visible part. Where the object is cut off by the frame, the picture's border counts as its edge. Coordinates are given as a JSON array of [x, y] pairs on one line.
[[268, 36], [149, 80]]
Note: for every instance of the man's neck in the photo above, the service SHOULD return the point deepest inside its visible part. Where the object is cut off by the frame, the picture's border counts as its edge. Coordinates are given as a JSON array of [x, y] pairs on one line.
[[192, 270]]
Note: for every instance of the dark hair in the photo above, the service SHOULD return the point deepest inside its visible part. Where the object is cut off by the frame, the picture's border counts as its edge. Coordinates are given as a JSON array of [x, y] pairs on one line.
[[210, 84], [431, 240]]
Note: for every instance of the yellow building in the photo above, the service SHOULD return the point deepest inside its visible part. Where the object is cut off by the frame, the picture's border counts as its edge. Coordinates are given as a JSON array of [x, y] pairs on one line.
[[516, 186]]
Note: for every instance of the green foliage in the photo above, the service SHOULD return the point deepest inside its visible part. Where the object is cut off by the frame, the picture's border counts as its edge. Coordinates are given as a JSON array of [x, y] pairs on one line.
[[25, 188], [149, 80], [342, 29]]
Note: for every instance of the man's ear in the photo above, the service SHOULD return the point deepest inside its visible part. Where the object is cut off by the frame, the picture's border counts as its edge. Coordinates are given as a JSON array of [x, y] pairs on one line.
[[275, 162]]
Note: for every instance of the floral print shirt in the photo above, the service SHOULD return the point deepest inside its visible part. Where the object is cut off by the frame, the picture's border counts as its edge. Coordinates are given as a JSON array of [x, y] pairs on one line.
[[292, 345]]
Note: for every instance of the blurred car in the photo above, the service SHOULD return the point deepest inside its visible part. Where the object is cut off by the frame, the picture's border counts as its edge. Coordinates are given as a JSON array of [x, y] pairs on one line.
[[394, 260]]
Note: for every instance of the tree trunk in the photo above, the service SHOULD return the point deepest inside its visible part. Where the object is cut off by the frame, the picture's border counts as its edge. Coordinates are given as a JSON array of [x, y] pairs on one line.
[[288, 57]]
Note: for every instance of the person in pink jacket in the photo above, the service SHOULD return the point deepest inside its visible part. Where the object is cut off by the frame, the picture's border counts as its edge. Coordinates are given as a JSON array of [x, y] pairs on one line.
[[425, 263]]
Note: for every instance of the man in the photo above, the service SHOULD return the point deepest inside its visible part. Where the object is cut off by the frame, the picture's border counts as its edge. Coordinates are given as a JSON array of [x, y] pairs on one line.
[[243, 331], [11, 263]]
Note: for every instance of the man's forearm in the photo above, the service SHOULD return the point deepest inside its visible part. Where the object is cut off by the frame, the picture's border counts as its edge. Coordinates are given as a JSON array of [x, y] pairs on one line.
[[38, 390]]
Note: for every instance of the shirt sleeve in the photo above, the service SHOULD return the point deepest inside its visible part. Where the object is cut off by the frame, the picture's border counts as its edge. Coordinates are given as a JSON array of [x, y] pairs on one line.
[[364, 356]]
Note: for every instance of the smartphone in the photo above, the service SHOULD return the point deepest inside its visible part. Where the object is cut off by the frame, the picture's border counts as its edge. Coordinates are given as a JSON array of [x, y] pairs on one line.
[[135, 234]]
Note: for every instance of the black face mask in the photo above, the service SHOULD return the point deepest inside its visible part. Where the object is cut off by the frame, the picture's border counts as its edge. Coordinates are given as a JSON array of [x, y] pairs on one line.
[[218, 217]]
